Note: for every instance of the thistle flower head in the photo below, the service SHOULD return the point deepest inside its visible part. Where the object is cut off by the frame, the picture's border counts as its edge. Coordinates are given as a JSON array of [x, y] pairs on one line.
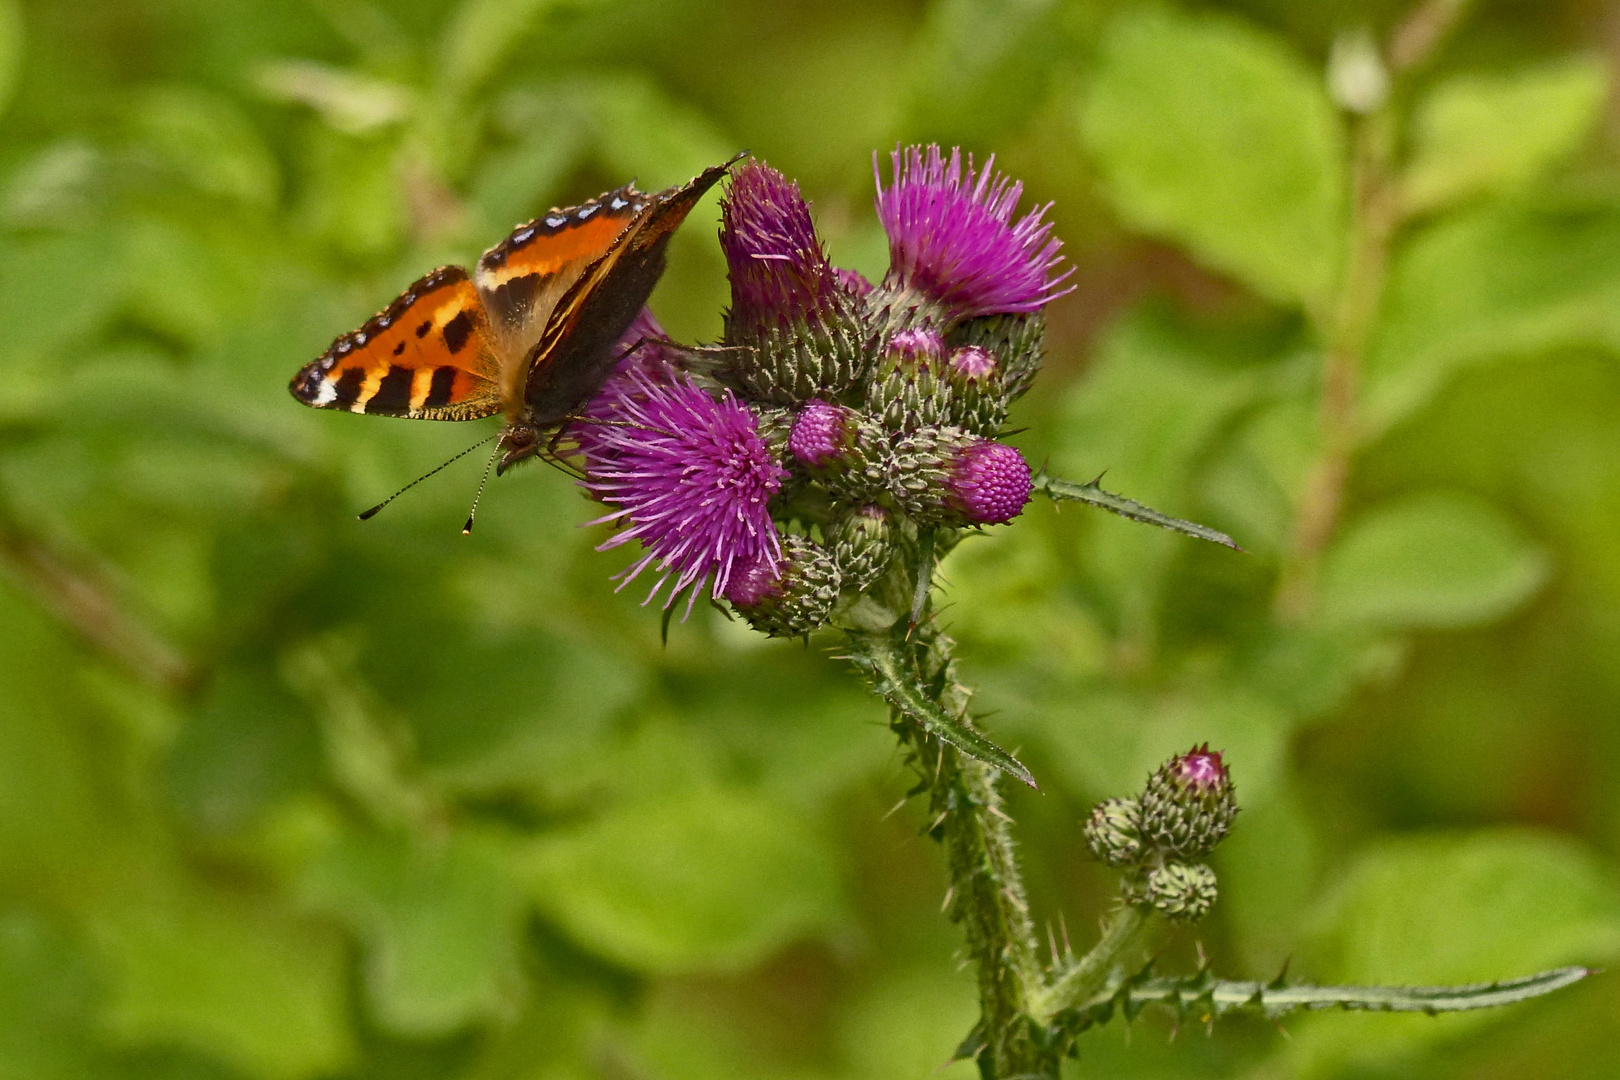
[[689, 475], [990, 482], [952, 238], [779, 272]]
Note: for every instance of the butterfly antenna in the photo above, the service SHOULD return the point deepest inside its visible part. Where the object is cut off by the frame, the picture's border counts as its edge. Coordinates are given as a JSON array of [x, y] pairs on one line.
[[466, 530], [369, 514]]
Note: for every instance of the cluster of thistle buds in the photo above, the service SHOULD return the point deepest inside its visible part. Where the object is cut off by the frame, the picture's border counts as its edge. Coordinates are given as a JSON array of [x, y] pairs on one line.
[[1161, 836], [839, 423]]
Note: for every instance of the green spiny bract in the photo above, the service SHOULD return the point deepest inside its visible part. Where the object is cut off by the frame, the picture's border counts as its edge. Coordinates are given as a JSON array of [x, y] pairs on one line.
[[801, 597], [1017, 341], [1114, 832], [1188, 804], [792, 364], [1181, 892], [907, 387], [862, 542]]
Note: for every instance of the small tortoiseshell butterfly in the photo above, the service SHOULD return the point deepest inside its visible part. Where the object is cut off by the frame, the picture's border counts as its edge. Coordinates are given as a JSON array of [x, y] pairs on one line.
[[531, 334]]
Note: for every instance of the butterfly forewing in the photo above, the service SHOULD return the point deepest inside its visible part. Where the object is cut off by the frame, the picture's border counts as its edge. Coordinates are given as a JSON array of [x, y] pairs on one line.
[[574, 354], [428, 355], [522, 278]]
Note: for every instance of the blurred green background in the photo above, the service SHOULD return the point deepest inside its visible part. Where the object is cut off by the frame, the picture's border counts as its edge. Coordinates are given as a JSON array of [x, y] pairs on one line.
[[286, 796]]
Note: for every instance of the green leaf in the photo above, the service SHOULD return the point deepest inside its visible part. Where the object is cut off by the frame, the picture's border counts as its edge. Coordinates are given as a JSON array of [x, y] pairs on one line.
[[1481, 133], [645, 132], [1451, 908], [1214, 135], [48, 999], [1436, 560], [1459, 907], [209, 971], [1093, 495], [981, 68], [1502, 281], [203, 140], [701, 880], [895, 682], [11, 49], [481, 35], [1197, 997], [440, 924]]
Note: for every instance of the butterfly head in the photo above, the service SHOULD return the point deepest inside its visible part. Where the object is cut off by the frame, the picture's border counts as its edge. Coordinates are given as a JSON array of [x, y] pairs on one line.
[[519, 442]]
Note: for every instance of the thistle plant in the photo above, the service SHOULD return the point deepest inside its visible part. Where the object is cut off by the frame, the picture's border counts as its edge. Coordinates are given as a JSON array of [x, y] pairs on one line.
[[809, 473]]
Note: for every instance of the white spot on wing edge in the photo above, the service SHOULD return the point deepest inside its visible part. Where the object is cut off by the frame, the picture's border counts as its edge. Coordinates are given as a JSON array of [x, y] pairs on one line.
[[326, 394]]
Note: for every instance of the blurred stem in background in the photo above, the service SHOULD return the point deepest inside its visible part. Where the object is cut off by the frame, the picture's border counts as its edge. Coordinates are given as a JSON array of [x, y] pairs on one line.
[[1361, 82]]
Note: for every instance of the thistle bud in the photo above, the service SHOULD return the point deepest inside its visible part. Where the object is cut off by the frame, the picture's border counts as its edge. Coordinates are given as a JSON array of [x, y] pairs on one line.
[[978, 402], [1016, 341], [795, 598], [801, 326], [949, 476], [1188, 804], [1114, 833], [908, 388], [842, 448], [1181, 892], [862, 542]]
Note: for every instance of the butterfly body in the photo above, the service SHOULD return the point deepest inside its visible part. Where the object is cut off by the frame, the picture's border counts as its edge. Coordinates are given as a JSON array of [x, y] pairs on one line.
[[529, 334]]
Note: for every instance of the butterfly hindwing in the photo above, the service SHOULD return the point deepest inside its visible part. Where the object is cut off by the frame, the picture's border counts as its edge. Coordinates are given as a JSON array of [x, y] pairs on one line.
[[429, 355], [575, 355]]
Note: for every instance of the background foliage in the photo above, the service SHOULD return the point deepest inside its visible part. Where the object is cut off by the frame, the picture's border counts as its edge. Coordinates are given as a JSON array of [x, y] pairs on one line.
[[283, 796]]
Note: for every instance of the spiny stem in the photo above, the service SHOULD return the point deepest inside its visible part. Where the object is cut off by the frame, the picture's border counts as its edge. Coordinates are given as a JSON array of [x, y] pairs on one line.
[[1084, 978], [986, 893]]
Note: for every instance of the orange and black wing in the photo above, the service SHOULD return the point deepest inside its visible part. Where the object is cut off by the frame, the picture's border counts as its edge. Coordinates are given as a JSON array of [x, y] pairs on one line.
[[429, 355], [575, 352], [522, 278]]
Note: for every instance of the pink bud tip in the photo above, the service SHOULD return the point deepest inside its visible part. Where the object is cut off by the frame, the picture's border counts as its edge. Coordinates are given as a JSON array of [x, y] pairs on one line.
[[991, 482], [1201, 768], [921, 345], [973, 363]]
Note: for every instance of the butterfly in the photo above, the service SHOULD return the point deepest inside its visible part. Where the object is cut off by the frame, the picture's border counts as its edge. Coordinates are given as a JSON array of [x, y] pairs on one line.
[[531, 333]]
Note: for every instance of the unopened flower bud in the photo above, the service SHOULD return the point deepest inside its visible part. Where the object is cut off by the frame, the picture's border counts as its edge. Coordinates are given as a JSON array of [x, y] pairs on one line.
[[1188, 804], [978, 401], [949, 476], [1016, 341], [1181, 892], [908, 388], [1114, 833], [792, 316], [795, 598], [862, 545], [844, 449]]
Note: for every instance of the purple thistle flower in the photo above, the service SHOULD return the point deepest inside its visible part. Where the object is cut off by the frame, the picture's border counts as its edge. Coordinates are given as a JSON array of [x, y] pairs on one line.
[[690, 476], [778, 269], [952, 240], [990, 482]]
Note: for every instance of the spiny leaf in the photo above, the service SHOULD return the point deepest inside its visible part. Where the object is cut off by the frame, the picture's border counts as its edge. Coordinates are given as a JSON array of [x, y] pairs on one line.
[[1093, 495], [896, 684], [1206, 998]]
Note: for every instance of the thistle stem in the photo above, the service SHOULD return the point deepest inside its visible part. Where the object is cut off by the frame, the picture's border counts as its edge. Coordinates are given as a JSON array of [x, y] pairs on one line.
[[1086, 977], [986, 894]]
